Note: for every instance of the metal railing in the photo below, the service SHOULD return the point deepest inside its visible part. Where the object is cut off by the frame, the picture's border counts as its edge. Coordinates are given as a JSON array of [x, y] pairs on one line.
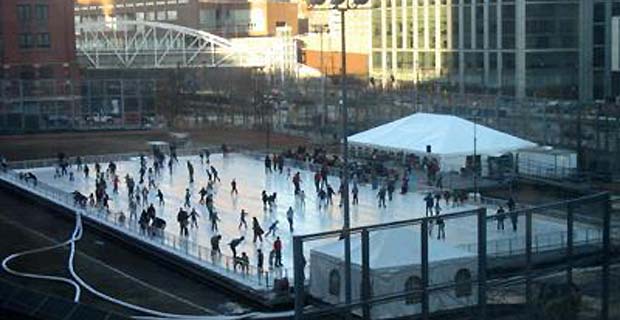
[[177, 245], [540, 243]]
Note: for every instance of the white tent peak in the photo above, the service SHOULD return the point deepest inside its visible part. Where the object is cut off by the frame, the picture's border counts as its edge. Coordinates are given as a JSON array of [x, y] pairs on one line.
[[446, 134]]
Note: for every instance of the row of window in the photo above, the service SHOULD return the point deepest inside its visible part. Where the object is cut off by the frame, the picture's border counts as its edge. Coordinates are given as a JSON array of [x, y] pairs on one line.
[[462, 288], [24, 12], [29, 40]]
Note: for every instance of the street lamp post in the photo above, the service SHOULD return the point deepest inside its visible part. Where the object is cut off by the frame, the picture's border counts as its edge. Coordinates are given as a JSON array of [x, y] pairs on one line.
[[343, 6]]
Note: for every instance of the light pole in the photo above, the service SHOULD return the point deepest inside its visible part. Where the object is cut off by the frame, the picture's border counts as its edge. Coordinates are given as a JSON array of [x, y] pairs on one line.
[[475, 151], [343, 6]]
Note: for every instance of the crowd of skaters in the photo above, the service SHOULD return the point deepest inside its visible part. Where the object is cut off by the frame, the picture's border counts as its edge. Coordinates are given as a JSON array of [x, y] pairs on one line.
[[151, 224], [139, 195]]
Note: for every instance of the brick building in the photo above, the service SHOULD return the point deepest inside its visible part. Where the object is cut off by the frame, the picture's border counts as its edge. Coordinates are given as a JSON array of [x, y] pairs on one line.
[[39, 74], [37, 39], [226, 18]]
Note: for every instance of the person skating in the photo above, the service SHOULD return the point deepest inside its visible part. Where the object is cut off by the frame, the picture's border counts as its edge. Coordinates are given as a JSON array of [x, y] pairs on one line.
[[215, 174], [330, 194], [234, 243], [277, 247], [437, 208], [289, 217], [213, 217], [391, 186], [441, 228], [514, 219], [260, 259], [355, 192], [243, 262], [215, 245], [86, 171], [381, 196], [182, 218], [188, 197], [317, 181], [500, 215], [242, 221], [233, 187], [203, 192], [194, 218], [160, 196], [272, 229], [322, 198], [190, 171], [297, 182], [267, 164], [265, 199], [430, 203], [258, 231]]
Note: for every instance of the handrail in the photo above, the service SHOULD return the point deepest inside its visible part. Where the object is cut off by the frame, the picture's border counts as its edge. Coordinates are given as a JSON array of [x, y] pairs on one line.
[[180, 246]]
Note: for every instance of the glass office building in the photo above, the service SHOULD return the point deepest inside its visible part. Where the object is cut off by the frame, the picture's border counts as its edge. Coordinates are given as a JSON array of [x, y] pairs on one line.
[[536, 48]]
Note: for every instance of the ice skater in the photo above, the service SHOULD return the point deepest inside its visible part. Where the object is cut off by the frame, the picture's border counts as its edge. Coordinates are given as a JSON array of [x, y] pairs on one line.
[[190, 171], [267, 164], [441, 228], [277, 248], [188, 197], [213, 217], [260, 258], [242, 221], [233, 187], [258, 231], [182, 219], [160, 196], [202, 193], [234, 243], [391, 186], [272, 229], [215, 245], [194, 217], [86, 171], [381, 196], [215, 174], [355, 193], [514, 219], [289, 217], [430, 203], [500, 215]]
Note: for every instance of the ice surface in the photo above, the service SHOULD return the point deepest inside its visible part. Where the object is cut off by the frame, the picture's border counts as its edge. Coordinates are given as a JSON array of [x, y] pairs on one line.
[[251, 179]]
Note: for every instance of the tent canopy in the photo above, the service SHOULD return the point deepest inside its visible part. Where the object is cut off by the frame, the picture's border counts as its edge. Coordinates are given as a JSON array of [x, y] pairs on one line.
[[446, 134], [386, 249]]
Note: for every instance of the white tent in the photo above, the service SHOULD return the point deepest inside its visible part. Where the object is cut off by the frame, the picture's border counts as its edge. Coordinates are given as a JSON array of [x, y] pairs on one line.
[[451, 138], [394, 268]]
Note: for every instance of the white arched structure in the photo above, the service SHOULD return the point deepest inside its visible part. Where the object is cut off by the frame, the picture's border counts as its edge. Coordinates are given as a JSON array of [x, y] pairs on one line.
[[129, 44]]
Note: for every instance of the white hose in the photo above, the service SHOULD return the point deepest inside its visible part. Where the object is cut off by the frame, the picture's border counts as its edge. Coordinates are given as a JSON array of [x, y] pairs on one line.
[[76, 236], [5, 264]]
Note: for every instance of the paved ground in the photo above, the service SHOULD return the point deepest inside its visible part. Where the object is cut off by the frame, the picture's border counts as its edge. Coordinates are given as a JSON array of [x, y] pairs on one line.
[[37, 146], [110, 267]]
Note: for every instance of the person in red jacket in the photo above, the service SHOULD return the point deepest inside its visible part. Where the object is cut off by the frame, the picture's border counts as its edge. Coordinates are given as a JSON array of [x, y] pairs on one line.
[[277, 247]]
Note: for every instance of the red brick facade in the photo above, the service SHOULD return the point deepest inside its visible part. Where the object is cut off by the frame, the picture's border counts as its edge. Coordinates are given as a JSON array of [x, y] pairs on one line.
[[37, 40]]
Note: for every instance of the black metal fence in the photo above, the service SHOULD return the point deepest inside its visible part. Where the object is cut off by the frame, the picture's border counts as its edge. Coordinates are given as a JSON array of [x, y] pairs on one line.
[[543, 262]]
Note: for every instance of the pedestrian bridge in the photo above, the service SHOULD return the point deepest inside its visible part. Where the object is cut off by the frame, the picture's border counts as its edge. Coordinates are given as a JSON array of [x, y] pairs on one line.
[[130, 44]]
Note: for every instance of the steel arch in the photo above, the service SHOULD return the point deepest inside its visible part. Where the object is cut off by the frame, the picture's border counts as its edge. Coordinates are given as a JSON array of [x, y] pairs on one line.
[[131, 44]]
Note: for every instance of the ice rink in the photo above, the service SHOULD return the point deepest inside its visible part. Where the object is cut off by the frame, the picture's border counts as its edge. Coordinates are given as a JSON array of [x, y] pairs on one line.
[[249, 172]]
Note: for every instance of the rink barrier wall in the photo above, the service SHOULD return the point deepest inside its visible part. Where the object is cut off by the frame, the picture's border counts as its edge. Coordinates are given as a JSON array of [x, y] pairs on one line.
[[174, 250]]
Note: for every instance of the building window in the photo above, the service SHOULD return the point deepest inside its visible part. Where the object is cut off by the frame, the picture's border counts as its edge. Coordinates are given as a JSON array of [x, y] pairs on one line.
[[413, 283], [334, 283], [23, 12], [463, 283], [41, 11], [26, 41], [43, 40], [172, 15]]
